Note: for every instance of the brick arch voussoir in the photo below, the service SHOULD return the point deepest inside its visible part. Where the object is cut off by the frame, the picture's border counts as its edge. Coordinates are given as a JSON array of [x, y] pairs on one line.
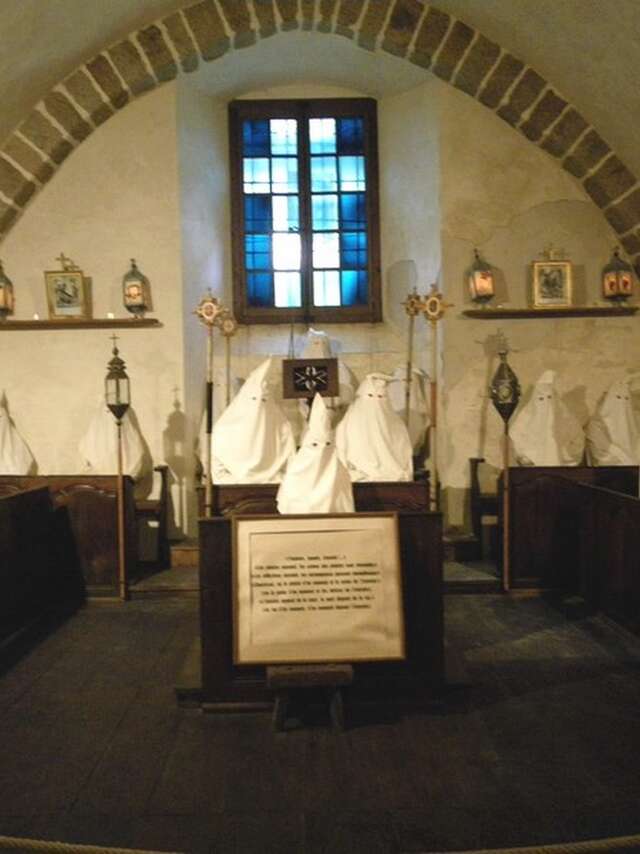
[[411, 29]]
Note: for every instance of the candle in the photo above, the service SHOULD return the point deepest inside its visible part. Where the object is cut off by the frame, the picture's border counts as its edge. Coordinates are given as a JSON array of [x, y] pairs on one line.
[[110, 315], [36, 317]]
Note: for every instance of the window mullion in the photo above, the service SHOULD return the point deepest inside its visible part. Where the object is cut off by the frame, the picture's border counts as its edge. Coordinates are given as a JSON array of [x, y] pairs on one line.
[[304, 171]]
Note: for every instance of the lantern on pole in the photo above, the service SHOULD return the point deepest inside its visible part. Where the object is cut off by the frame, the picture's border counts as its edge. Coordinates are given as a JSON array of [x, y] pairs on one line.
[[118, 399], [7, 299], [413, 307], [505, 395], [617, 279], [136, 291]]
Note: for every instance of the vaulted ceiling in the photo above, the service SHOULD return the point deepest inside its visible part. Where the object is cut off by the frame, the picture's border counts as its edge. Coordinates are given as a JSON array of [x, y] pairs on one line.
[[588, 49]]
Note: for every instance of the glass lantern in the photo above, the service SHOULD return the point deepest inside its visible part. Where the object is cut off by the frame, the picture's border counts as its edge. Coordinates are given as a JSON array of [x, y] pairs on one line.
[[116, 386], [7, 299], [617, 279], [136, 291], [481, 284]]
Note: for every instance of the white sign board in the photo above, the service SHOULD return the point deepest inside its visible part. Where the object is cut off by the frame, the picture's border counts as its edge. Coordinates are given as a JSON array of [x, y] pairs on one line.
[[317, 588]]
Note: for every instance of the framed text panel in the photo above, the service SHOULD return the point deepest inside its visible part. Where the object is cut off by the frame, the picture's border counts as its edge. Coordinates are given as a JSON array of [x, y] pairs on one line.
[[317, 588]]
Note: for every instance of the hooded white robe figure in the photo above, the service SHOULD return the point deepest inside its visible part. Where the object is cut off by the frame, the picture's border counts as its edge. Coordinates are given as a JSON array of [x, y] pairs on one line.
[[98, 448], [15, 456], [372, 441], [315, 480], [613, 434], [318, 346], [544, 432], [419, 419], [252, 440]]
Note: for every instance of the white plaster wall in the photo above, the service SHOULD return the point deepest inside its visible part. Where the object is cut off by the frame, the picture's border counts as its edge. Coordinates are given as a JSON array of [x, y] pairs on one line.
[[511, 200], [204, 206], [115, 198]]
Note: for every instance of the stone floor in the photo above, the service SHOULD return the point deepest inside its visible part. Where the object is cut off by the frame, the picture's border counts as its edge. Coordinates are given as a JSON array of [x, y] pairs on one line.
[[536, 741]]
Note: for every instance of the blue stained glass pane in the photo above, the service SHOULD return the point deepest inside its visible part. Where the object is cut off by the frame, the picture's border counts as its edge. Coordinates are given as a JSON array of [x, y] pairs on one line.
[[257, 213], [287, 290], [257, 251], [324, 213], [322, 136], [351, 136], [354, 287], [352, 173], [353, 211], [354, 249], [256, 174], [284, 136], [286, 216], [326, 287], [326, 251], [324, 175], [284, 175], [260, 288], [255, 138]]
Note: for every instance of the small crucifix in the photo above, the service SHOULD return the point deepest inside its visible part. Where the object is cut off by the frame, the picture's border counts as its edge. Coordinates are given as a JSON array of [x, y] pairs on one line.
[[66, 263]]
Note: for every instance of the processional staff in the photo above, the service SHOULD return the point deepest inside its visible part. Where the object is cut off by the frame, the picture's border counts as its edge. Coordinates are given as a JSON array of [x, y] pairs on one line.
[[212, 314], [413, 307], [434, 308], [505, 394]]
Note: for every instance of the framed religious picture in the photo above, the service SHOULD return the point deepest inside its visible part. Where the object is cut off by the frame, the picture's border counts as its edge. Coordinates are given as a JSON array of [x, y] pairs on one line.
[[308, 377], [67, 292], [552, 284], [317, 588]]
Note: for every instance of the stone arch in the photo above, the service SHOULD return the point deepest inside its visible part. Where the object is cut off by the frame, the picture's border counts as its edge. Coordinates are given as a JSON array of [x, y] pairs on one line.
[[411, 29]]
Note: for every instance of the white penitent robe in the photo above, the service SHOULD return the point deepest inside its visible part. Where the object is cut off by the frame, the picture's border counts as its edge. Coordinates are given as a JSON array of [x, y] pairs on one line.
[[372, 441], [315, 480], [252, 440], [419, 419], [15, 456], [98, 448], [613, 433], [318, 346], [544, 432]]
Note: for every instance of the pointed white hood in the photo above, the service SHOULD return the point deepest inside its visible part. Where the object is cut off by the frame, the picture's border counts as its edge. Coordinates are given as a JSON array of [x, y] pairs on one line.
[[419, 419], [316, 481], [613, 433], [544, 432], [372, 441], [252, 440], [98, 448], [15, 456]]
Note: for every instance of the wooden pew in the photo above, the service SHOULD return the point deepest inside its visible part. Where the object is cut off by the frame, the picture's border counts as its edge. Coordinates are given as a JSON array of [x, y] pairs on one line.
[[89, 502], [36, 566], [540, 532]]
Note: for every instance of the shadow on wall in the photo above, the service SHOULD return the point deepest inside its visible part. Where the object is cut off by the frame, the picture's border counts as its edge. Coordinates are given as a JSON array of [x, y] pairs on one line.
[[174, 446]]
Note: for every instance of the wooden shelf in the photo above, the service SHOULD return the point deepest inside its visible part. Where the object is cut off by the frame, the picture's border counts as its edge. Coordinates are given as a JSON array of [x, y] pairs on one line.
[[95, 323], [558, 311]]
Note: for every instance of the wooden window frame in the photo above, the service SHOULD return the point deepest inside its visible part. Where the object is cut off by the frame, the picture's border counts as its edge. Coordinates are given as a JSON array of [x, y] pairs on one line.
[[305, 109]]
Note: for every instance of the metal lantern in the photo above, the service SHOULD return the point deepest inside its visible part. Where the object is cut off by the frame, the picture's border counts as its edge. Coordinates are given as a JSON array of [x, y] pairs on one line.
[[504, 388], [116, 386], [617, 279], [136, 291], [7, 300], [481, 284]]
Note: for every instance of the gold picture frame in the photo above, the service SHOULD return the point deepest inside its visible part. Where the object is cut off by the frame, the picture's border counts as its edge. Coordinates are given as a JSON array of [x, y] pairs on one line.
[[67, 295], [552, 284]]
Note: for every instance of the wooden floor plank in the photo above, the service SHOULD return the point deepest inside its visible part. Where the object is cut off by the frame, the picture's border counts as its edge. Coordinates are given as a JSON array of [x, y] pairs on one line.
[[535, 743]]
